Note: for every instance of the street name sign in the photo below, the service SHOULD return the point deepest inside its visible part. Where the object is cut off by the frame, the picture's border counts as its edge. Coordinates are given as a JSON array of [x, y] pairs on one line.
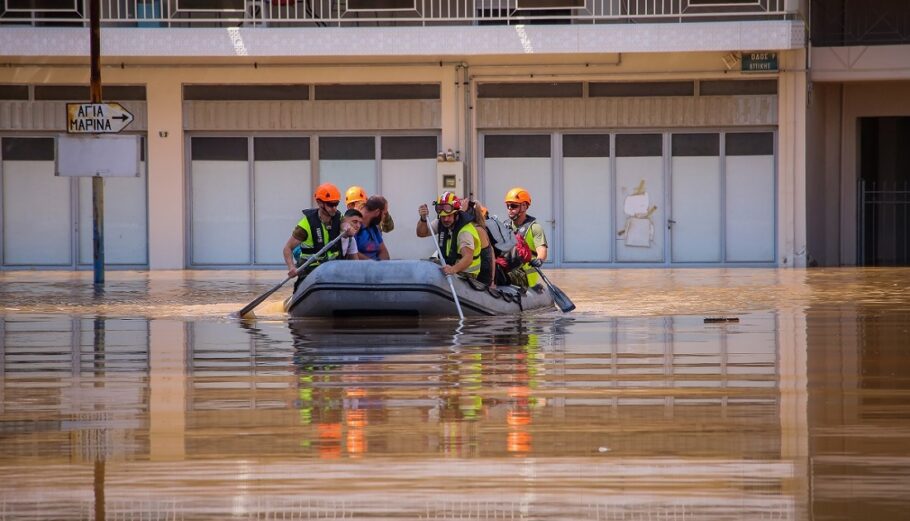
[[96, 118], [761, 61]]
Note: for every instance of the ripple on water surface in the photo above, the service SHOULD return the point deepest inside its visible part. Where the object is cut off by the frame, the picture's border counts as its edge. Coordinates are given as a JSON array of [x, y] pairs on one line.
[[633, 407]]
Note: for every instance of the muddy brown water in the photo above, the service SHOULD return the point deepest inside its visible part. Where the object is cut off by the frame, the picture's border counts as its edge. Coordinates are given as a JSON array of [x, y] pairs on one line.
[[147, 400]]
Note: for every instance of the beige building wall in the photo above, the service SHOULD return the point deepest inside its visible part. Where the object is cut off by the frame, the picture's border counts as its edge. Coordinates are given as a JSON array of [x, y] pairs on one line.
[[458, 114], [166, 121]]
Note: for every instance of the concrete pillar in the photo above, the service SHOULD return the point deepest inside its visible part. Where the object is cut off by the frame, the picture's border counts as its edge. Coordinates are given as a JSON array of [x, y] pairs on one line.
[[451, 100], [166, 178], [791, 161]]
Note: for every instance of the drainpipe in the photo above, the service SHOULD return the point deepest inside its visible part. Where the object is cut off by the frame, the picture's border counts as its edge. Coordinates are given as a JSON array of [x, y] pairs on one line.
[[467, 137]]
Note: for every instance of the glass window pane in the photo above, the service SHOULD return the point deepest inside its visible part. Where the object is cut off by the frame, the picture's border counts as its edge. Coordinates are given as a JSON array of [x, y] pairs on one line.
[[586, 184], [348, 161], [505, 168], [406, 184], [640, 213], [750, 208], [283, 190], [696, 198], [221, 212], [29, 183]]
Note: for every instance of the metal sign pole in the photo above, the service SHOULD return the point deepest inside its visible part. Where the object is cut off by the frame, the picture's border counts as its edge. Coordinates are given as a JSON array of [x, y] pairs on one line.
[[97, 181]]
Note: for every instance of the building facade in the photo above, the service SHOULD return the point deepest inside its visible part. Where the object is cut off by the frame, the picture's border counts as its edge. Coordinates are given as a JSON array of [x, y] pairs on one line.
[[859, 125], [668, 133]]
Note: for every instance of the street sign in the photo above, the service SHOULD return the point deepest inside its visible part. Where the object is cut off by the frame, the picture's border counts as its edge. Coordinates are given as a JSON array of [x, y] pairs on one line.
[[96, 118], [762, 61]]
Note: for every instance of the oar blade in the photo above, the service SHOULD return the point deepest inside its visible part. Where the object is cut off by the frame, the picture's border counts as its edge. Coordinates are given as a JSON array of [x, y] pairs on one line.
[[248, 309], [243, 313], [563, 302]]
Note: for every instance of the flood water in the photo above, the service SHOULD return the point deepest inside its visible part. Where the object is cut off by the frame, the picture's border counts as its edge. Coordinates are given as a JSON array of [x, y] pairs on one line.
[[147, 400]]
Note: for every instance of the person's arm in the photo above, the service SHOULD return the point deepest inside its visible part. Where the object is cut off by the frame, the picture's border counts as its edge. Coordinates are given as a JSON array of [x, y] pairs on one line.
[[466, 246], [467, 257], [349, 247], [387, 224], [423, 228], [540, 241], [383, 252], [289, 246]]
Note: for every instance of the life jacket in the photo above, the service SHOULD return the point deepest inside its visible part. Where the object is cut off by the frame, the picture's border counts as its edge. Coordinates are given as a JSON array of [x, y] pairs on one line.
[[448, 243], [318, 235], [524, 232]]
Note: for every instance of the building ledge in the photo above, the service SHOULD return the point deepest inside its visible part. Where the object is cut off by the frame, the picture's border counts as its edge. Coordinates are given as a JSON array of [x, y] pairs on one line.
[[428, 42], [861, 63]]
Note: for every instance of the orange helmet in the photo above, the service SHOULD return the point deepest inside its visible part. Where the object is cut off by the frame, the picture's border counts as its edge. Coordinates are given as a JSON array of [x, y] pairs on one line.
[[518, 195], [447, 198], [355, 194], [327, 192]]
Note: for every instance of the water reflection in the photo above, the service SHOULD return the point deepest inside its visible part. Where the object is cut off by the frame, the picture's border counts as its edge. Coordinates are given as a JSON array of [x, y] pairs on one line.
[[796, 412]]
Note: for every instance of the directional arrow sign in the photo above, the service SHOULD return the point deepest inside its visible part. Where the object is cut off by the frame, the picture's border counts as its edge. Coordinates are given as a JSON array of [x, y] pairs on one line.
[[96, 118]]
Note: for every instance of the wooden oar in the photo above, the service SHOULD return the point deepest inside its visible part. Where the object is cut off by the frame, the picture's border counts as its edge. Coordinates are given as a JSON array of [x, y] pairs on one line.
[[562, 300], [449, 277], [249, 307]]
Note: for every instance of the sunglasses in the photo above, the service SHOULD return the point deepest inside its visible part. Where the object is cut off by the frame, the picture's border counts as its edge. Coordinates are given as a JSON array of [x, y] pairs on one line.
[[513, 206], [330, 204]]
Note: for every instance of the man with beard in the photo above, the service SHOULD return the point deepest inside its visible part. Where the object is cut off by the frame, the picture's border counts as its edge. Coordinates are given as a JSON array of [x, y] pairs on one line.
[[316, 229], [518, 200], [458, 238], [369, 239], [355, 197]]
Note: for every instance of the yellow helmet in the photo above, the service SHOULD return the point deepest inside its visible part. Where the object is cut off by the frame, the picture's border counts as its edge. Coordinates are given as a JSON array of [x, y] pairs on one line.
[[355, 194], [518, 195]]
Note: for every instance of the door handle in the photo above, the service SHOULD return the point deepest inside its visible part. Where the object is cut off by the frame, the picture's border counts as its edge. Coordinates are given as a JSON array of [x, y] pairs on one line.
[[670, 223]]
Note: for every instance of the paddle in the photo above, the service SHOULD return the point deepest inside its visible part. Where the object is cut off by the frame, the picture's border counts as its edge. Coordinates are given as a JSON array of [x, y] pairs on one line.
[[562, 300], [249, 307], [449, 277]]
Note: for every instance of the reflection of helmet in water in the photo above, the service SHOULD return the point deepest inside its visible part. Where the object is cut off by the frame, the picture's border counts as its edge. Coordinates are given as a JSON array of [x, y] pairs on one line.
[[355, 194], [327, 192], [518, 195], [447, 199]]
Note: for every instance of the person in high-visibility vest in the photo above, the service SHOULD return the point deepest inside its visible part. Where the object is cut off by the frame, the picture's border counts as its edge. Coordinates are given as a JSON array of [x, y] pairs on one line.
[[518, 200], [316, 229], [458, 239]]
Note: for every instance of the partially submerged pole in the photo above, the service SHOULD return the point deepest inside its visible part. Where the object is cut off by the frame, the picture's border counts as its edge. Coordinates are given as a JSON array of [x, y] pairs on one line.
[[97, 181]]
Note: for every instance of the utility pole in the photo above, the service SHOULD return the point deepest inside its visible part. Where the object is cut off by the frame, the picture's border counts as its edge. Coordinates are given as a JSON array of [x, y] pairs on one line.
[[97, 181]]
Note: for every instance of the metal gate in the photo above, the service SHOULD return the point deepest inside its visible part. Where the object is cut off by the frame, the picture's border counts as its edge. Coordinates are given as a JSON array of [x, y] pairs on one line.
[[884, 223]]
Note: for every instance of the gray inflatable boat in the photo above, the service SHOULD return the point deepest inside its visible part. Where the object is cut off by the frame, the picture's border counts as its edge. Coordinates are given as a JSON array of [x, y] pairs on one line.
[[404, 287]]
